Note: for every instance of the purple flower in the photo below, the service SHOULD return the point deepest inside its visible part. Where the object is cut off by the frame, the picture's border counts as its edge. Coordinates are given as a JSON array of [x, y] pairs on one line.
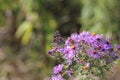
[[50, 52], [69, 54], [84, 36], [113, 55], [87, 64], [92, 39], [93, 53], [60, 50], [95, 40], [68, 41], [74, 37], [82, 49], [57, 69], [117, 47], [57, 77], [69, 72], [54, 49], [98, 36], [107, 46]]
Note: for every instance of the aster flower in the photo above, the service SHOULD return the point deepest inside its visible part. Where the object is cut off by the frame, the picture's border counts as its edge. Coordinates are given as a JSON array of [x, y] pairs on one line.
[[69, 72], [54, 49], [86, 66], [107, 46], [117, 47], [98, 36], [69, 54], [74, 37], [93, 53], [84, 37], [81, 52], [57, 69], [50, 52], [57, 77]]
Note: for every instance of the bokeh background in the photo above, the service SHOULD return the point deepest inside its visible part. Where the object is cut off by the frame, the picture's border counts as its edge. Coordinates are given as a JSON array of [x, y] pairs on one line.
[[27, 28]]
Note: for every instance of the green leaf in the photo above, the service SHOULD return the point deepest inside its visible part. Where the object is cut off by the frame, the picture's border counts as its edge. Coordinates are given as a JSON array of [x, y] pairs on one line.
[[24, 32]]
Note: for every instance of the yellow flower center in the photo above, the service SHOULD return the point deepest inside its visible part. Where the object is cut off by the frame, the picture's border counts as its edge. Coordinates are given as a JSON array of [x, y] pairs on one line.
[[73, 47], [84, 67], [93, 34]]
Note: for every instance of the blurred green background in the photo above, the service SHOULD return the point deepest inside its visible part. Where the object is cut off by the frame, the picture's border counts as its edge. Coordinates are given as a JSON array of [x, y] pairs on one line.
[[27, 28]]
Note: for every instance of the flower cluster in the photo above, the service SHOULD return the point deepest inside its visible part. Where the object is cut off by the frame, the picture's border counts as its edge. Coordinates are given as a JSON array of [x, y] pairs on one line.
[[57, 73], [80, 53]]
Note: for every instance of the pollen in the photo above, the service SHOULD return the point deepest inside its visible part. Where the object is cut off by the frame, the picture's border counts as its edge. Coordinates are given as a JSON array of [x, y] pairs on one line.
[[93, 34], [84, 67], [73, 47], [94, 52]]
